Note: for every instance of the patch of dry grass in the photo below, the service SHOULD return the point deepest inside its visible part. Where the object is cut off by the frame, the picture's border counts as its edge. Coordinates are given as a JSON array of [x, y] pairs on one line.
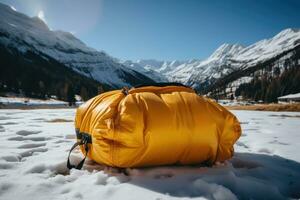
[[284, 116], [295, 107]]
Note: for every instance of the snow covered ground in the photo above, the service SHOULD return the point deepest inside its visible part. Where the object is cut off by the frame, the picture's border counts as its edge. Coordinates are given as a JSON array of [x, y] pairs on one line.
[[27, 103], [30, 101], [34, 145]]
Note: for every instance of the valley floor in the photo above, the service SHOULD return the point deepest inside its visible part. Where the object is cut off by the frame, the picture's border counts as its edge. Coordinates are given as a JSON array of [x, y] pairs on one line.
[[34, 145], [294, 107]]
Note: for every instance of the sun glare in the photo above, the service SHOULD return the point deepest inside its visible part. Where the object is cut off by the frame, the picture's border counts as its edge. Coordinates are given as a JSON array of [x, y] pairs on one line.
[[41, 15], [13, 8]]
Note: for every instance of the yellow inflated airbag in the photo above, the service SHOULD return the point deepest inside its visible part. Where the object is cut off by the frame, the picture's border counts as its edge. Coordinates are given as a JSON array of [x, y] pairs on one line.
[[157, 126]]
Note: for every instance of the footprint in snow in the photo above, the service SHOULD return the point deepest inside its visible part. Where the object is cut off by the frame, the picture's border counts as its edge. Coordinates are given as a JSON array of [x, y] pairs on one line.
[[241, 144], [11, 158], [5, 186], [265, 150], [34, 125], [30, 152], [25, 133], [70, 136], [277, 142], [256, 119], [39, 119], [58, 120], [6, 165], [65, 190], [38, 168], [4, 118], [58, 136], [239, 163], [36, 138], [21, 138], [8, 123], [62, 141], [31, 145]]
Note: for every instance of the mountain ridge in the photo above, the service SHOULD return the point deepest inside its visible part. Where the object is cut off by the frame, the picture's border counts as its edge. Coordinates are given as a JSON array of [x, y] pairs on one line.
[[228, 58], [229, 66], [31, 33]]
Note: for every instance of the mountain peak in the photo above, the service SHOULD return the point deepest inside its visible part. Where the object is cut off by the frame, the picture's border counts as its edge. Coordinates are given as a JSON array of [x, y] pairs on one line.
[[21, 33], [6, 7], [226, 50], [9, 16], [150, 62], [286, 32], [40, 23]]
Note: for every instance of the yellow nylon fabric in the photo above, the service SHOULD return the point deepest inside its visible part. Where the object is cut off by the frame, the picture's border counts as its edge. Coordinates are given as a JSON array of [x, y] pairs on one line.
[[157, 126]]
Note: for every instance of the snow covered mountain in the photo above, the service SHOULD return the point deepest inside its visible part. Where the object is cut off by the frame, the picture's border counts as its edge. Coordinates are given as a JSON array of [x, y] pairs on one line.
[[155, 69], [227, 59], [230, 65], [211, 68], [22, 33], [146, 69]]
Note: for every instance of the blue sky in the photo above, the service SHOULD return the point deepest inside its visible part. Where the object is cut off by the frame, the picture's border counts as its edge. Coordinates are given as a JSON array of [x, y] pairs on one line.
[[164, 29]]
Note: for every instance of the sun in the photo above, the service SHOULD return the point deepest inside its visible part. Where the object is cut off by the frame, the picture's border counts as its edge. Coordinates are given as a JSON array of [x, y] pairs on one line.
[[13, 8], [41, 15]]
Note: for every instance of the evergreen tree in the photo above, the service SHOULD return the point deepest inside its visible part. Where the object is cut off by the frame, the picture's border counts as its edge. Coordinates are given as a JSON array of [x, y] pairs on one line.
[[84, 94], [70, 95], [270, 88]]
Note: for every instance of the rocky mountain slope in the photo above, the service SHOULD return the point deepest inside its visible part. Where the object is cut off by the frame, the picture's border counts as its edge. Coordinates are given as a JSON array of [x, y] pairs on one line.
[[24, 40], [232, 64], [20, 33]]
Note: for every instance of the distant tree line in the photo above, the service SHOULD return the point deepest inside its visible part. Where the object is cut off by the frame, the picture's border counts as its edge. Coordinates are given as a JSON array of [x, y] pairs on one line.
[[268, 88], [41, 77], [272, 78]]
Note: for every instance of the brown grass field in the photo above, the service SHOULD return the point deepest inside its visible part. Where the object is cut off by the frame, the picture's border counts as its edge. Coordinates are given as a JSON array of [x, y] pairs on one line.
[[294, 107]]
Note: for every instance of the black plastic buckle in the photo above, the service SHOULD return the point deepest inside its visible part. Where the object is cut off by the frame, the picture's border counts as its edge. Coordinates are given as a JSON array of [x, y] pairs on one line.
[[84, 138]]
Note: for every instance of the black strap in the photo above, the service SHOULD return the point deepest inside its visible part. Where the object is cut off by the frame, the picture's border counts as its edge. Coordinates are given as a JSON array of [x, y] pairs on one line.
[[84, 141]]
